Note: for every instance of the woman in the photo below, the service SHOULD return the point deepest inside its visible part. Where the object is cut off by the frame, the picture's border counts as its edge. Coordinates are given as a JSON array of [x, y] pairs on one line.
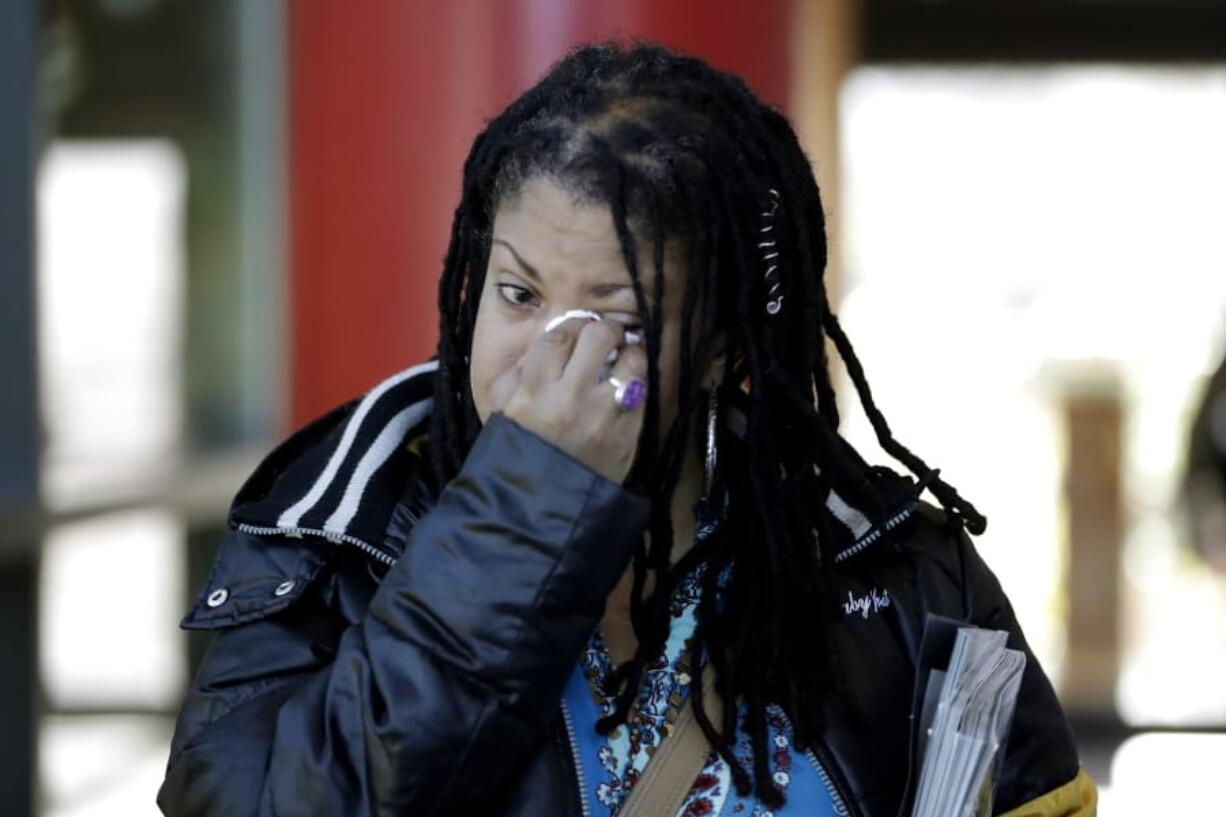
[[614, 507]]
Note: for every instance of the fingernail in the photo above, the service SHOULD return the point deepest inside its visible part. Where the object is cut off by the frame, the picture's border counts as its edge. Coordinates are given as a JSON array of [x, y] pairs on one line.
[[586, 314]]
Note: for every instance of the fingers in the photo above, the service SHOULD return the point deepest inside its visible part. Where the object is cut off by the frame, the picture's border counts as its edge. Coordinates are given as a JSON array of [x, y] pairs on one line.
[[574, 351], [547, 356], [559, 397], [631, 364], [597, 343]]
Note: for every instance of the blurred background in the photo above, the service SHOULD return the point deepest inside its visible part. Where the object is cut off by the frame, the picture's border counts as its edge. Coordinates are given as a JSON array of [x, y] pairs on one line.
[[222, 218]]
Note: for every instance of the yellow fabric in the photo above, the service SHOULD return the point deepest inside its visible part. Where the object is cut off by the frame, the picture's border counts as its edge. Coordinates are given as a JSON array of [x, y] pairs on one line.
[[414, 445], [1076, 798]]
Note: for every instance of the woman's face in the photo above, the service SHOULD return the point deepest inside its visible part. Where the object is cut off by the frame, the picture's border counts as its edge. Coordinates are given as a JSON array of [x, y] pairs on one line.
[[549, 255]]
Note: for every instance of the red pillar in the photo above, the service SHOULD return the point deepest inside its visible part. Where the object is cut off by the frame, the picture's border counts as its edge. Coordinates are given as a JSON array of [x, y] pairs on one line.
[[385, 100]]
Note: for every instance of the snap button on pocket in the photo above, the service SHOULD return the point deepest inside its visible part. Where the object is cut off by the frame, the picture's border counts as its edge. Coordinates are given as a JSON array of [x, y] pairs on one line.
[[284, 587], [218, 597]]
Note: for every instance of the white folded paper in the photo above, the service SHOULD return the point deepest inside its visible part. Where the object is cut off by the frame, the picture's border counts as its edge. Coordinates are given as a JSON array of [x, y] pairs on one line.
[[965, 728]]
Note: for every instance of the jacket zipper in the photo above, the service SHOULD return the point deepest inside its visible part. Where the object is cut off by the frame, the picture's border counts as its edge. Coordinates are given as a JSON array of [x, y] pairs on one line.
[[875, 533], [912, 777], [369, 550], [836, 796], [840, 802], [574, 754]]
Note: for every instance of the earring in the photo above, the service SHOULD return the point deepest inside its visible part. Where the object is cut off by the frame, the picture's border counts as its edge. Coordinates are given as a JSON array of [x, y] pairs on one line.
[[712, 448], [705, 508]]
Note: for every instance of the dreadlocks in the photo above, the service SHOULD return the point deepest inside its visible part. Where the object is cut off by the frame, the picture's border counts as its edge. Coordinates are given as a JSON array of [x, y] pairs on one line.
[[676, 148]]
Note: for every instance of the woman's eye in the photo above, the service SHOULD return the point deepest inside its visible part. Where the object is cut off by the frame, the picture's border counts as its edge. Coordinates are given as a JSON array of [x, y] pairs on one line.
[[518, 296], [514, 295]]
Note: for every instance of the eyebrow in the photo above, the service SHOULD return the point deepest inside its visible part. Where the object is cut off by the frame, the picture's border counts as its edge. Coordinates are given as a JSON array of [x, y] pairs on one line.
[[599, 290]]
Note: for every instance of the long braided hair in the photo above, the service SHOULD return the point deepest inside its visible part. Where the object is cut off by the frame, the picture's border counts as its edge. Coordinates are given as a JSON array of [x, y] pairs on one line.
[[678, 149]]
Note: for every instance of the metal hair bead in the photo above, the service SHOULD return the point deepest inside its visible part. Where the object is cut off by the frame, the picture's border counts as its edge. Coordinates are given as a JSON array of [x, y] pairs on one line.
[[770, 251]]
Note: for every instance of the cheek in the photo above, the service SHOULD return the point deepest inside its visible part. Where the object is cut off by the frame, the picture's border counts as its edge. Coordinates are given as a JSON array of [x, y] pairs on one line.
[[493, 365]]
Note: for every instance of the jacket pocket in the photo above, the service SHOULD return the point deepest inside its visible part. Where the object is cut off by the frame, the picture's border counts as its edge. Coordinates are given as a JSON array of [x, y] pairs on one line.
[[255, 576]]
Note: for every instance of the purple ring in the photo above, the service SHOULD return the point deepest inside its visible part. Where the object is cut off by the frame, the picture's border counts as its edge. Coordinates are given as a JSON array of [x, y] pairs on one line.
[[628, 394]]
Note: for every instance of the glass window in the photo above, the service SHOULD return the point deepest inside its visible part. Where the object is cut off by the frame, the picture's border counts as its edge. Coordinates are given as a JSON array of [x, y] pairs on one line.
[[111, 596], [110, 284], [1015, 235]]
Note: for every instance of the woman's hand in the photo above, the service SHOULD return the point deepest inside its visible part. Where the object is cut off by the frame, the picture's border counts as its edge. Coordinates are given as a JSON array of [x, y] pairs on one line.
[[559, 398]]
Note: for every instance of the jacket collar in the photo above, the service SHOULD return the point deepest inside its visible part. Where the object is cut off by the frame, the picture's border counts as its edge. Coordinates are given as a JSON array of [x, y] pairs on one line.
[[855, 525], [343, 476]]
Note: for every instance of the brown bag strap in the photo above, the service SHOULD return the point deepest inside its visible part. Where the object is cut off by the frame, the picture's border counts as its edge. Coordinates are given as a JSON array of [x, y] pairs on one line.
[[670, 774]]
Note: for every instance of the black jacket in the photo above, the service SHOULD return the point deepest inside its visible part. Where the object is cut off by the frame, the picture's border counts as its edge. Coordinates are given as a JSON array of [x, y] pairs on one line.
[[384, 648]]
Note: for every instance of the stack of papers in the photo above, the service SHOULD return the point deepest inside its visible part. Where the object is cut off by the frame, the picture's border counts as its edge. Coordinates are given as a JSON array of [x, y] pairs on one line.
[[966, 715]]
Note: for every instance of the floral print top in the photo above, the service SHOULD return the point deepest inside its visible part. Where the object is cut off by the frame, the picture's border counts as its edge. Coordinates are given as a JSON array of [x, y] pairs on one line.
[[609, 766]]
